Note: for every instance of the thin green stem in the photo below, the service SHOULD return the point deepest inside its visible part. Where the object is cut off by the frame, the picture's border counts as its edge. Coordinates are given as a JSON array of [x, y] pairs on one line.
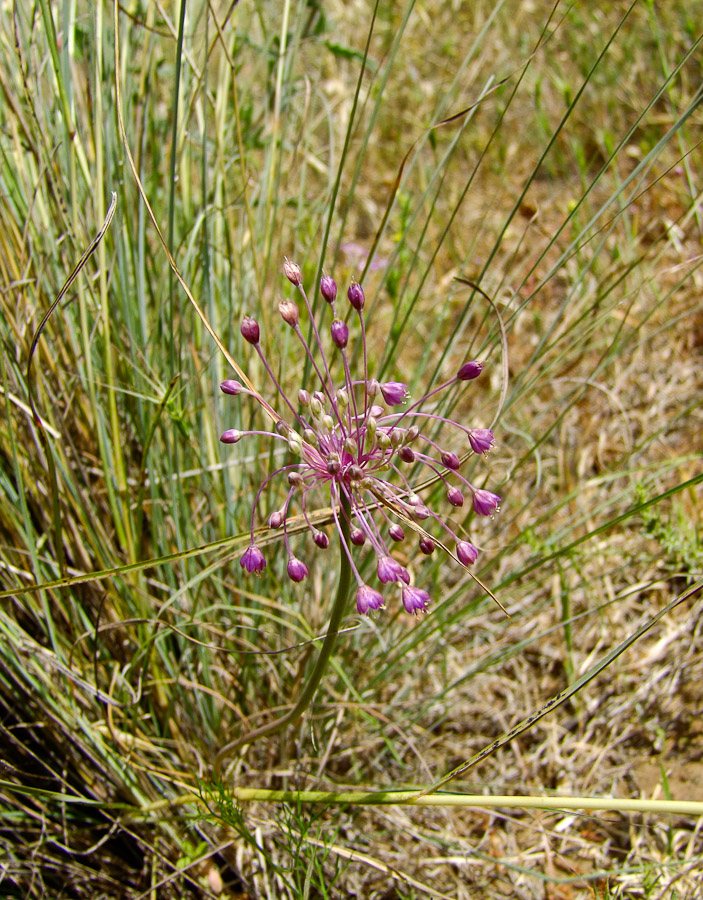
[[305, 698]]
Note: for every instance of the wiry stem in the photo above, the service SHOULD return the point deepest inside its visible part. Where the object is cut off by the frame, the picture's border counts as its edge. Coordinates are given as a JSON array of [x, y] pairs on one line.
[[313, 682]]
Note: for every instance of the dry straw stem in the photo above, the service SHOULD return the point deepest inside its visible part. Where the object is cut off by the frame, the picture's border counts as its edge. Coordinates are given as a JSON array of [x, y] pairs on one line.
[[442, 799]]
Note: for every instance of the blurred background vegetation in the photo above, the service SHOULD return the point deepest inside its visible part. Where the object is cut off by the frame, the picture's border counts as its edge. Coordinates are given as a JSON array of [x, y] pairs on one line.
[[550, 154]]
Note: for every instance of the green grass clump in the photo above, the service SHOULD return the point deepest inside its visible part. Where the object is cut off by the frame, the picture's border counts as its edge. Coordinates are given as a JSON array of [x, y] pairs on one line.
[[528, 178]]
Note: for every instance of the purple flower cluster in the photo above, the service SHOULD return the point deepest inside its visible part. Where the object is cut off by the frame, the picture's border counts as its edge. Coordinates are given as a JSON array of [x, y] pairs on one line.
[[349, 441]]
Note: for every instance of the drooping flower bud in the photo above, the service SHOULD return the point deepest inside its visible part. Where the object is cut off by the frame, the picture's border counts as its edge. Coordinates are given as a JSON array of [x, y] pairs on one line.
[[292, 272], [321, 540], [355, 293], [426, 546], [250, 329], [470, 370], [466, 553], [328, 288], [230, 386], [340, 333], [289, 312], [451, 460], [231, 436], [303, 397], [277, 518], [357, 537], [407, 454], [455, 497], [297, 570], [396, 532]]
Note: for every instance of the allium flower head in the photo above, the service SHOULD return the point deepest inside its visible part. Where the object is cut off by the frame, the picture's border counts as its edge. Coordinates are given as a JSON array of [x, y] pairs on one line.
[[341, 443]]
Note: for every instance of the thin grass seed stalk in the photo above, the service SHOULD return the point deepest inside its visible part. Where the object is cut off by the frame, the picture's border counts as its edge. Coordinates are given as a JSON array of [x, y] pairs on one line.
[[353, 442]]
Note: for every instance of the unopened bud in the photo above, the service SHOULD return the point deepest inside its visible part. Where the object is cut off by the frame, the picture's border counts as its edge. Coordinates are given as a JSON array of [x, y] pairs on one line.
[[250, 329], [340, 333], [328, 288], [321, 539], [289, 312], [355, 293], [276, 519], [292, 272], [470, 370], [357, 537]]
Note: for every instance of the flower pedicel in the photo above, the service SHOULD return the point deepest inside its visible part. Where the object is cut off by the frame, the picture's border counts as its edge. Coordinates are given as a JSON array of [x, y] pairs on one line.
[[355, 449]]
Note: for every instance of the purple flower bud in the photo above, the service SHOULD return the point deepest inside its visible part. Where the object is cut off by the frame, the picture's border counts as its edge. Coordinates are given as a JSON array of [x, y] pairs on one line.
[[394, 392], [451, 460], [292, 272], [303, 397], [231, 436], [357, 537], [389, 569], [321, 539], [356, 295], [297, 570], [396, 532], [253, 560], [289, 312], [486, 502], [426, 546], [277, 518], [481, 440], [231, 387], [406, 454], [421, 511], [470, 370], [455, 497], [328, 288], [376, 411], [250, 329], [367, 599], [466, 553], [340, 333], [415, 600]]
